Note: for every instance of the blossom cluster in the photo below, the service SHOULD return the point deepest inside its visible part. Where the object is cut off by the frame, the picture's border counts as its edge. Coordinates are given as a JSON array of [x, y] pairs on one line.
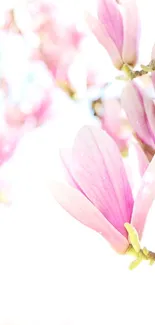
[[43, 51]]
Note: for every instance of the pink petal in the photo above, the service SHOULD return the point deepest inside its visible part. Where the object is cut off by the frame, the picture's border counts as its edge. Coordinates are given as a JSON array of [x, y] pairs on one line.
[[153, 78], [66, 158], [111, 120], [136, 164], [131, 23], [150, 111], [110, 16], [98, 169], [141, 158], [75, 203], [144, 199], [103, 37], [132, 102], [153, 58]]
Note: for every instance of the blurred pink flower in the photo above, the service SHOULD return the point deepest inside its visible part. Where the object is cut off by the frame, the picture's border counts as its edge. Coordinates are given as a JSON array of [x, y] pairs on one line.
[[26, 91], [117, 29], [9, 22], [101, 197], [140, 110], [115, 123], [29, 100], [8, 144], [59, 39], [26, 86]]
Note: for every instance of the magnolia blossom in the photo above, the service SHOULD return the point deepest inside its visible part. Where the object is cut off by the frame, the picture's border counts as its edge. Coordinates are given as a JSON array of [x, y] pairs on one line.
[[140, 110], [117, 29], [100, 196]]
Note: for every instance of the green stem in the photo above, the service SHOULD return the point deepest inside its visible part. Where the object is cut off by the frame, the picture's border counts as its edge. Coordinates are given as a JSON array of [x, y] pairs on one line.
[[130, 74]]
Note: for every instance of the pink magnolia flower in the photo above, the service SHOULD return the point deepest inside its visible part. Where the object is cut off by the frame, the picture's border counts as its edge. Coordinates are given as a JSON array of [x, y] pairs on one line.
[[101, 197], [117, 29], [140, 110], [115, 123]]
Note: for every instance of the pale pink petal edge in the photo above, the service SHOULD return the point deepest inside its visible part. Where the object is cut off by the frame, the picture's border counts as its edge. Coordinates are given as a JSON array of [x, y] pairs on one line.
[[84, 211]]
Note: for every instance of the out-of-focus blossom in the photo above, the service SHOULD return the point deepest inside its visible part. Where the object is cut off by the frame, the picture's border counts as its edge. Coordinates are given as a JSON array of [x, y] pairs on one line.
[[101, 198], [8, 141], [115, 123], [59, 39], [140, 110], [87, 72], [117, 29], [8, 21], [56, 41], [29, 99], [26, 89]]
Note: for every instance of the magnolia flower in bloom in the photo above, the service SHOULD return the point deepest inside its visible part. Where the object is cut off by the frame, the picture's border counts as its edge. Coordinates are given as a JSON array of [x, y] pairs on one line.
[[117, 29], [140, 110], [100, 196]]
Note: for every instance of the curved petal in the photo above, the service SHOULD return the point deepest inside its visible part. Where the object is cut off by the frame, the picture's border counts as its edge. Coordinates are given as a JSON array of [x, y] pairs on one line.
[[144, 199], [153, 58], [150, 111], [132, 102], [66, 159], [84, 211], [110, 16], [136, 164], [113, 122], [153, 78], [99, 170], [140, 157], [131, 23], [103, 37]]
